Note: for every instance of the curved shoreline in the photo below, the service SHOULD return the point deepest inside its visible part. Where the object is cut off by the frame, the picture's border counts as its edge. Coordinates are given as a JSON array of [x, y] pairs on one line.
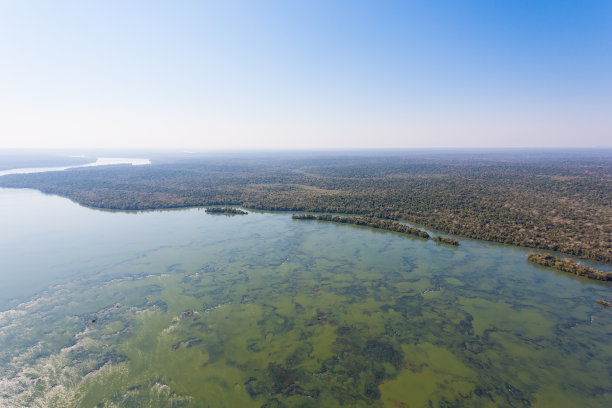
[[277, 210]]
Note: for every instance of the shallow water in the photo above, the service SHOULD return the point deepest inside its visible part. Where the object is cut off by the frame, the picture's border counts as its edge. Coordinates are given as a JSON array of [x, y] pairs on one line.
[[193, 309]]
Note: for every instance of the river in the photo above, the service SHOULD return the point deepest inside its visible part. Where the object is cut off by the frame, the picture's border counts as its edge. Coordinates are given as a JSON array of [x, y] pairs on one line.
[[184, 308], [102, 161]]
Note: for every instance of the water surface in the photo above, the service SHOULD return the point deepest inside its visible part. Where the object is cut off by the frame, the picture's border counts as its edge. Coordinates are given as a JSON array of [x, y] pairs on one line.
[[102, 161], [184, 308]]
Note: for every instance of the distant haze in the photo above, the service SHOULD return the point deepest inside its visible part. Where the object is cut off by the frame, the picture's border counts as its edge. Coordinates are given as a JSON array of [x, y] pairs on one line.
[[305, 74]]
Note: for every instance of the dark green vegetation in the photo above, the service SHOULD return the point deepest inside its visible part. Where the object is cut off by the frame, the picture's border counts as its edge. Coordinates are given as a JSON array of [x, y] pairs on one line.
[[556, 200], [376, 223], [226, 210], [567, 265]]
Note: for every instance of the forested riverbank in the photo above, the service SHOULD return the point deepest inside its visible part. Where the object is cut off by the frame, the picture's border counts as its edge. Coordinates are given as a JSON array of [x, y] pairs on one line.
[[541, 200]]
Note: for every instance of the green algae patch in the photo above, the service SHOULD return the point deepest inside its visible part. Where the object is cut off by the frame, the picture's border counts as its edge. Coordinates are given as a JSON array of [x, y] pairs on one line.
[[500, 315], [113, 327], [432, 376]]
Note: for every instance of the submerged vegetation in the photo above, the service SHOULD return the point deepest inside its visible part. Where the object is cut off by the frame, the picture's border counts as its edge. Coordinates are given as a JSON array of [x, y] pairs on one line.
[[445, 240], [226, 210], [568, 265], [541, 199]]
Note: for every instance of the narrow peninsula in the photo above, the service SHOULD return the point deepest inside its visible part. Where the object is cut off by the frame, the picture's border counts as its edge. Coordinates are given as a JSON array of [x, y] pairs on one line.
[[374, 222], [568, 265]]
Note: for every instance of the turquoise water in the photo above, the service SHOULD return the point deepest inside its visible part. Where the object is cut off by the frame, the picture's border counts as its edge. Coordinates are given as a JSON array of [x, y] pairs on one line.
[[184, 308]]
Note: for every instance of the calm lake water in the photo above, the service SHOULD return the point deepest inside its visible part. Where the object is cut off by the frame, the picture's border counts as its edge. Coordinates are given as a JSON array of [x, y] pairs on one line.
[[187, 309]]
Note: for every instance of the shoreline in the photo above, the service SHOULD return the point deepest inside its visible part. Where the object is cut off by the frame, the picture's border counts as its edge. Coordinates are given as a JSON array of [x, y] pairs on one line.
[[285, 211]]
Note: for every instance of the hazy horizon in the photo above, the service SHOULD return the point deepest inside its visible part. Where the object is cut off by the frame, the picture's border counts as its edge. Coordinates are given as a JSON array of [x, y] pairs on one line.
[[238, 75]]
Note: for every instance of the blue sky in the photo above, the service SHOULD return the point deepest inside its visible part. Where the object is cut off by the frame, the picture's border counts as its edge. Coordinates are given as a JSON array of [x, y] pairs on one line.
[[305, 74]]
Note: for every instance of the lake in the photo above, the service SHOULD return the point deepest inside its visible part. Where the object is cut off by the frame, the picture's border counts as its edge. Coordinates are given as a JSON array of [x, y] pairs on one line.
[[187, 309]]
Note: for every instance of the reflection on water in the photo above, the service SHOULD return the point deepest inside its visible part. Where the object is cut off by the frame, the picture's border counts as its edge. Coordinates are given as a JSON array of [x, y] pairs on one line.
[[264, 311], [102, 161]]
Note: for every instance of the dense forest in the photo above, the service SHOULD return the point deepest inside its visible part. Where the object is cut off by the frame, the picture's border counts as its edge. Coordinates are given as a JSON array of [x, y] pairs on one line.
[[543, 199]]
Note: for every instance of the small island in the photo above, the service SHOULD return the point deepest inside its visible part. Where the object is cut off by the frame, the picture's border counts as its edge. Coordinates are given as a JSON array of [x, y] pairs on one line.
[[568, 265], [226, 211], [374, 222]]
